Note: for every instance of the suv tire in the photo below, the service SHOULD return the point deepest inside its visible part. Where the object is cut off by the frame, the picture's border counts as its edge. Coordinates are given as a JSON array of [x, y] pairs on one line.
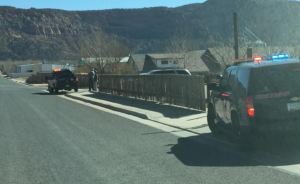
[[213, 122], [56, 91], [242, 141], [76, 89]]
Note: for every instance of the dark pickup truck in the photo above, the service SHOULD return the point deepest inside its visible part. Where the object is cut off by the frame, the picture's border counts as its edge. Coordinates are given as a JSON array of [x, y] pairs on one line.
[[62, 79]]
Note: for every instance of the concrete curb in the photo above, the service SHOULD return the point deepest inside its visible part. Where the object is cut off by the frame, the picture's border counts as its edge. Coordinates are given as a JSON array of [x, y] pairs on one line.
[[137, 114], [133, 113]]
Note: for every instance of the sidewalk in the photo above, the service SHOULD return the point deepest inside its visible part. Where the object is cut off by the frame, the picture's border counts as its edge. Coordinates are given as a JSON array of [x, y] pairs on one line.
[[175, 116], [23, 81]]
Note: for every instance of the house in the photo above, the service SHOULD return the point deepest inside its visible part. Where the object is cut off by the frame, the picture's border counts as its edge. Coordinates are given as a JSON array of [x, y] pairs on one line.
[[143, 63], [163, 61], [211, 60], [137, 62], [48, 68], [23, 71], [25, 68]]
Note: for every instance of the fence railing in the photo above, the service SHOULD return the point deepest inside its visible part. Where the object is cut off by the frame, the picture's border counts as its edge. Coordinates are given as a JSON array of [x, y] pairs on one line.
[[187, 91]]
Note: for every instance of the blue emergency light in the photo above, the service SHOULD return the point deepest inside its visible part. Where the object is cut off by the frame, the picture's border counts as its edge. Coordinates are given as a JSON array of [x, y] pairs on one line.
[[279, 57]]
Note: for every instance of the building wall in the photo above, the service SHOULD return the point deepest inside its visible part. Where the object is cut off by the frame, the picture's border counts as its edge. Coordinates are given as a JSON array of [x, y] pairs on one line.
[[166, 63], [25, 68]]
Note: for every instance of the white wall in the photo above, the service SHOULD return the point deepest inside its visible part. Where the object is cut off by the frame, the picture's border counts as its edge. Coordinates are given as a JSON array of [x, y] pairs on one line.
[[24, 68], [18, 75], [169, 65], [45, 68]]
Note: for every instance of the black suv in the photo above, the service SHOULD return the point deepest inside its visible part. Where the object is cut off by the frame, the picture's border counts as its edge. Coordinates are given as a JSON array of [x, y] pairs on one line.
[[255, 100], [62, 79]]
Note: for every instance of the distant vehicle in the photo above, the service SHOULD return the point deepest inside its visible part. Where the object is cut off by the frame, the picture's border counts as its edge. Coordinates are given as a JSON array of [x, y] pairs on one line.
[[62, 79], [257, 99], [168, 71]]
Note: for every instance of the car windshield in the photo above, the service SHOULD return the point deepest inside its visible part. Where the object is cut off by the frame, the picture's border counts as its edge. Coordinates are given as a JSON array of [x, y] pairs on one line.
[[150, 91]]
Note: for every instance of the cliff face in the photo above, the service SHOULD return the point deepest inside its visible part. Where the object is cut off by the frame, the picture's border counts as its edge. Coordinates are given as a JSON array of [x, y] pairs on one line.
[[57, 34]]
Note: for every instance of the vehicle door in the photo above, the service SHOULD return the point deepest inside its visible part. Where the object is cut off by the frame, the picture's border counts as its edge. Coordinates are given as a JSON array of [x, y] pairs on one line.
[[218, 98], [229, 95], [242, 82]]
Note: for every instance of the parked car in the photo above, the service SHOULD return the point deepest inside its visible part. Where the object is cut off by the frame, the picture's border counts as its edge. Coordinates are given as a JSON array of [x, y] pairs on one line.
[[168, 71], [62, 79], [255, 100]]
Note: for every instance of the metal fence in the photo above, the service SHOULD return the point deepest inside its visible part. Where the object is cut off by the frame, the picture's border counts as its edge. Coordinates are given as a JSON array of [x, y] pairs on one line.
[[187, 91]]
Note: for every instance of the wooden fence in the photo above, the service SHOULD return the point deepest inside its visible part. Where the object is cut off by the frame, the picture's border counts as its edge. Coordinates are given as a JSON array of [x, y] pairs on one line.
[[187, 91]]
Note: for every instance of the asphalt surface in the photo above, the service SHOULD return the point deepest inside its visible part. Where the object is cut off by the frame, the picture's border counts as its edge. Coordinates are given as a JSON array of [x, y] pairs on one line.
[[47, 139]]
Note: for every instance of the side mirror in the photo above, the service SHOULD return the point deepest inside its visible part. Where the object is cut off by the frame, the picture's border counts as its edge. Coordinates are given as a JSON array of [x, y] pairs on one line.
[[212, 86]]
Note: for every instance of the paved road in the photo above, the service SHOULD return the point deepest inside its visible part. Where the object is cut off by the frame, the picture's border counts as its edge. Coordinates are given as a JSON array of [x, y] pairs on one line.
[[48, 139]]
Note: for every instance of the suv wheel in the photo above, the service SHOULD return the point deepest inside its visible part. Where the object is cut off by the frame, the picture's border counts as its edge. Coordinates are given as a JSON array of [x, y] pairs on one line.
[[56, 91], [76, 89], [212, 122], [243, 142]]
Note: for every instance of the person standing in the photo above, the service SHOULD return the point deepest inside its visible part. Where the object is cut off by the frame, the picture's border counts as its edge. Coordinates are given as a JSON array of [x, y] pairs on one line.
[[95, 81], [91, 80]]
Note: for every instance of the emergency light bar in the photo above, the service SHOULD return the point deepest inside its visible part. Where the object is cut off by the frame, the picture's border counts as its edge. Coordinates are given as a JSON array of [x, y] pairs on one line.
[[256, 59], [57, 70], [279, 57]]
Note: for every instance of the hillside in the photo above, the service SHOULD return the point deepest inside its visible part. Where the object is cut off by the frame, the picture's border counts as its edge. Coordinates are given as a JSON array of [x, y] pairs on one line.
[[57, 34]]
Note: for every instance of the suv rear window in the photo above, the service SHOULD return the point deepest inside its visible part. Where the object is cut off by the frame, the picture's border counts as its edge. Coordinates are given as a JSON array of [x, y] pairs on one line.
[[275, 79], [182, 72], [164, 72], [65, 73]]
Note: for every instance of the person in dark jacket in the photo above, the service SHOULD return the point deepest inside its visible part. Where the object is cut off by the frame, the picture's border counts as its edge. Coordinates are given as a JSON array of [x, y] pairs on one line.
[[91, 80], [95, 81]]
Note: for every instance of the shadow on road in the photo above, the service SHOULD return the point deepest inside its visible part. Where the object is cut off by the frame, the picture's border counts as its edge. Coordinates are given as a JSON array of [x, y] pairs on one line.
[[47, 93], [194, 153], [170, 111]]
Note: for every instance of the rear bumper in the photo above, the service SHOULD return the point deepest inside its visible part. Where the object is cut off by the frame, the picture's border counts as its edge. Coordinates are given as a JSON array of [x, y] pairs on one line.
[[282, 127], [274, 128], [66, 86]]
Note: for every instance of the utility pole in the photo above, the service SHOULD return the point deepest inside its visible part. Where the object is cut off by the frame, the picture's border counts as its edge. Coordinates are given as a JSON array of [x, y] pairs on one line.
[[236, 39], [249, 52]]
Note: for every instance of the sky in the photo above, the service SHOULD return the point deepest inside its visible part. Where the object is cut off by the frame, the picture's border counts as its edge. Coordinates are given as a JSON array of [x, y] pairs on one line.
[[94, 4]]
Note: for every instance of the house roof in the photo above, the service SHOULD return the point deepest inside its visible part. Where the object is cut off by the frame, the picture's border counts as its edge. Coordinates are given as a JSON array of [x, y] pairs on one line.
[[195, 62], [139, 60], [223, 55]]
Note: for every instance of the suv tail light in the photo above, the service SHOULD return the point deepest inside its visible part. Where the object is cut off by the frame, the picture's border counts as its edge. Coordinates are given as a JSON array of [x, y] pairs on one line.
[[77, 79], [249, 106]]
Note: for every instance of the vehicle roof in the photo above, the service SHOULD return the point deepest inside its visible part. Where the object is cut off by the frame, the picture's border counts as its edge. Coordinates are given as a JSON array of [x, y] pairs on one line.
[[168, 70], [266, 63], [65, 69]]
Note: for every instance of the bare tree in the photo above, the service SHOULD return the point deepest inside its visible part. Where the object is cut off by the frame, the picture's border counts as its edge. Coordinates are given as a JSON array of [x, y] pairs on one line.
[[179, 45], [103, 51]]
